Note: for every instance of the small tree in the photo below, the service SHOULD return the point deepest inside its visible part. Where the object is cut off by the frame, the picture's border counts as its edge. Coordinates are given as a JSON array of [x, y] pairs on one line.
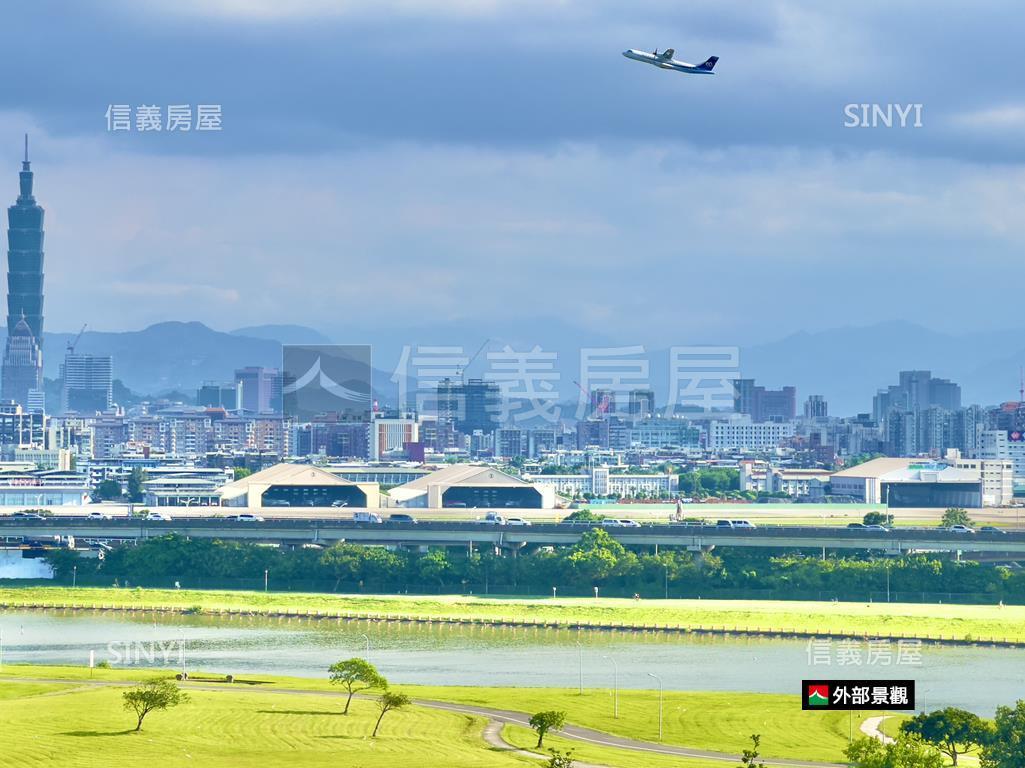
[[108, 490], [952, 731], [1006, 744], [387, 703], [750, 756], [908, 751], [136, 491], [542, 722], [560, 759], [356, 675], [153, 695], [956, 516], [877, 518]]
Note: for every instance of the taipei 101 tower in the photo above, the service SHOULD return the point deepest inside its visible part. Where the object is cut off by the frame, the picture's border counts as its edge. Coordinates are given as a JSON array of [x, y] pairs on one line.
[[22, 378]]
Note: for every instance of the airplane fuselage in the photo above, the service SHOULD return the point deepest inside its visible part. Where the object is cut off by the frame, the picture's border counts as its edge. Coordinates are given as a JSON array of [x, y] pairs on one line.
[[663, 62]]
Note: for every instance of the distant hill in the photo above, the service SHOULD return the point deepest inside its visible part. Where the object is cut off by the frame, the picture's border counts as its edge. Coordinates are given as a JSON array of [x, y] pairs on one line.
[[283, 334], [166, 356], [846, 364]]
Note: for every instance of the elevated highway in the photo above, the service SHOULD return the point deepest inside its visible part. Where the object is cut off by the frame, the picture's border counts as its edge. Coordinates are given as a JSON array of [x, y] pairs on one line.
[[299, 531]]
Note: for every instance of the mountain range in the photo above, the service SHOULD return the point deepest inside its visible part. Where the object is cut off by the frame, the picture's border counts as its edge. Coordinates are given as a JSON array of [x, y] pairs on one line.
[[846, 364]]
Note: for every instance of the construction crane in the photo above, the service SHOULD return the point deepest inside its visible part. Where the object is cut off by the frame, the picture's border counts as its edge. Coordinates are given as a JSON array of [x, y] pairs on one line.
[[600, 407], [73, 344], [462, 371]]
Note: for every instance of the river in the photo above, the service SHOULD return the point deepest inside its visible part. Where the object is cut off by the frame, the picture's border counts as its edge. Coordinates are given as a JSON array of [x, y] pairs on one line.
[[976, 678]]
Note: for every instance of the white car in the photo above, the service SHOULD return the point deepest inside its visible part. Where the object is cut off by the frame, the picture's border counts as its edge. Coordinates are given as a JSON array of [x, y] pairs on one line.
[[620, 523], [517, 521], [246, 517], [98, 516], [960, 529], [158, 517]]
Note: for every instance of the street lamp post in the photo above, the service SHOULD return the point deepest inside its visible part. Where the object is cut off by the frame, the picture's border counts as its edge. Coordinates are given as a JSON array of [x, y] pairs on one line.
[[580, 669], [366, 637], [615, 686], [74, 576], [266, 574], [659, 704]]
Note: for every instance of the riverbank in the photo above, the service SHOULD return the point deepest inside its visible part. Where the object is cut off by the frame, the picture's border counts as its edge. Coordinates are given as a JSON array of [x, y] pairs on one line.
[[991, 625], [703, 721]]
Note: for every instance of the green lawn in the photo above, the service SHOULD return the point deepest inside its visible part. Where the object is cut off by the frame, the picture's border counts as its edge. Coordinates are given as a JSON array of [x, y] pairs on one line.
[[921, 620], [716, 721], [525, 738], [84, 728]]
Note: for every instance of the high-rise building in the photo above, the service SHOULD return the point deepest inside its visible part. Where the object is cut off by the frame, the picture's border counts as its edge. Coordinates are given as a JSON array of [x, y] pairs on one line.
[[763, 404], [214, 395], [261, 389], [23, 357], [815, 407], [472, 406], [88, 383], [642, 403]]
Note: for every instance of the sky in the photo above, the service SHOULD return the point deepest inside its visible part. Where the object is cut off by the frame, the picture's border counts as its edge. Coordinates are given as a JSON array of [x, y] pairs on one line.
[[488, 164]]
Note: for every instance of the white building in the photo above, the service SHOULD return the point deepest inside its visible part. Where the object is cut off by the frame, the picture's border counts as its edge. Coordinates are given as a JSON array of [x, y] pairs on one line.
[[601, 481], [740, 434]]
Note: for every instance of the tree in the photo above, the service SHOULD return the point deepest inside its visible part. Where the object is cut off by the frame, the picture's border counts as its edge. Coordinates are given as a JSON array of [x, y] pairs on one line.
[[241, 472], [135, 490], [955, 516], [751, 755], [877, 518], [356, 675], [583, 516], [952, 731], [108, 490], [389, 701], [1006, 744], [907, 751], [153, 695], [542, 722]]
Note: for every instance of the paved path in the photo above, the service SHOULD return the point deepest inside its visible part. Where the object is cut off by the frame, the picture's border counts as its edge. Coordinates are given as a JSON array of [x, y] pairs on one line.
[[871, 729], [496, 718]]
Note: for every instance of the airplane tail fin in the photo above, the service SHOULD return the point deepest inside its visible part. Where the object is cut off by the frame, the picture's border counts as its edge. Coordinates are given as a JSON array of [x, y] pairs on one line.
[[709, 63]]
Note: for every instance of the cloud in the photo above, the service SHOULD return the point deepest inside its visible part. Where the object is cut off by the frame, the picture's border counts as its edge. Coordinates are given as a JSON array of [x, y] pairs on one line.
[[999, 119]]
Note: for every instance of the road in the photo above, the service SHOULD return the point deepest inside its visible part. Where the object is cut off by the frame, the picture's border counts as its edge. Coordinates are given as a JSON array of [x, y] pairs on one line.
[[693, 537], [496, 719]]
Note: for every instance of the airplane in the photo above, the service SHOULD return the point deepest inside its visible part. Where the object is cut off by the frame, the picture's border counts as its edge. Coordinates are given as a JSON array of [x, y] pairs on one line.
[[665, 60]]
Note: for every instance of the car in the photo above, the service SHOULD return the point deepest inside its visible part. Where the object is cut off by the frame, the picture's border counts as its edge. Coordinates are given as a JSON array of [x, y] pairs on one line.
[[992, 529], [493, 518], [246, 517], [960, 529], [876, 527], [98, 516], [401, 517], [743, 524], [620, 523], [856, 526], [28, 516], [158, 517], [723, 523], [517, 521]]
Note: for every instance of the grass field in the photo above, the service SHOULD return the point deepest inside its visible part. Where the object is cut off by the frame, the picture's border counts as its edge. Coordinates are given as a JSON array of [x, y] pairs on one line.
[[885, 619], [721, 722], [84, 728], [715, 721], [524, 738]]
